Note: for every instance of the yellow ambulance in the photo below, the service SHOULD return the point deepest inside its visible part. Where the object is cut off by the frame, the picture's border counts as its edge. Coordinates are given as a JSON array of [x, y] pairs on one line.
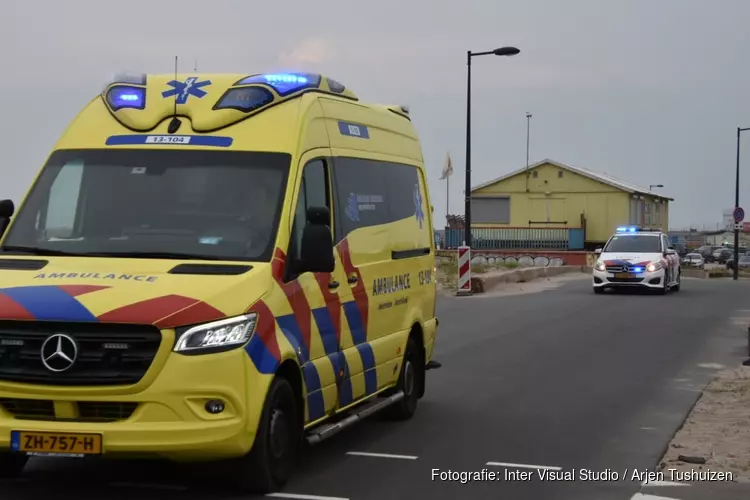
[[216, 268]]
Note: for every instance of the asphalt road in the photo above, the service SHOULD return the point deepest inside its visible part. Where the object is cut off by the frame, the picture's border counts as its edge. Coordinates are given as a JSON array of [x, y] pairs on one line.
[[561, 378]]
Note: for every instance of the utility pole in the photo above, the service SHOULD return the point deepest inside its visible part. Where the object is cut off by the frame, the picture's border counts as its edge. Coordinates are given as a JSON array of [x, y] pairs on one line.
[[528, 134]]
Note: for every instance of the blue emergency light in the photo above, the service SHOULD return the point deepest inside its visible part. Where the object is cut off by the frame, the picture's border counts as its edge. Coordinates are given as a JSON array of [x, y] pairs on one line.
[[630, 229], [121, 96], [284, 83]]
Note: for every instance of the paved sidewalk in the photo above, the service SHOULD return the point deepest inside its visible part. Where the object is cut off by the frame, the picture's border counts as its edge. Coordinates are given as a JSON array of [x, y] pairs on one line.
[[695, 491]]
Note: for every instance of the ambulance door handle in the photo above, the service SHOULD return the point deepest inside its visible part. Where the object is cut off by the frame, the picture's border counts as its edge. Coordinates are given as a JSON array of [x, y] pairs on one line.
[[352, 279], [333, 284]]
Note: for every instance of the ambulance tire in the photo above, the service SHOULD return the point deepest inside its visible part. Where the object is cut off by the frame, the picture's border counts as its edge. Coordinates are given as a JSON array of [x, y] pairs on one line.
[[11, 465], [271, 461], [410, 380]]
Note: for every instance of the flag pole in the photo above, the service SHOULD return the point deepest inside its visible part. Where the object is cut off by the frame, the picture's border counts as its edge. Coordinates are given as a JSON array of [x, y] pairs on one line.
[[447, 198]]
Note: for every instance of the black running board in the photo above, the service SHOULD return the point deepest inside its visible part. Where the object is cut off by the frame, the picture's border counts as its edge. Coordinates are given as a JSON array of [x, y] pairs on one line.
[[326, 430]]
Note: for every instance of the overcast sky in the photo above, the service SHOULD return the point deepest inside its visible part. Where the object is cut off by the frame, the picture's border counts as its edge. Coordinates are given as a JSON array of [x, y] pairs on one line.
[[650, 91]]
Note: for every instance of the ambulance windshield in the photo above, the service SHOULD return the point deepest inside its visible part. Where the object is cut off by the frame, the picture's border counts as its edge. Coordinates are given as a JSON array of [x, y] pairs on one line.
[[221, 205]]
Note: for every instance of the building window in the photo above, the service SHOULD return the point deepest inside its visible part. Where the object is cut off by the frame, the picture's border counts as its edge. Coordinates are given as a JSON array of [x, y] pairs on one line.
[[559, 174], [633, 211], [535, 174]]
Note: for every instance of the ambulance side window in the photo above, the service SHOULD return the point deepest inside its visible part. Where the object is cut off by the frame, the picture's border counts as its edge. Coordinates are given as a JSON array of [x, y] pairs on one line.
[[60, 213], [313, 192]]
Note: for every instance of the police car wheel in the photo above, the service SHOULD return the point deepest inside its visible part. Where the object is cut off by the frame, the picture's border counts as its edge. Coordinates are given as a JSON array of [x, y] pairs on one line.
[[11, 465], [598, 290], [269, 464], [410, 381]]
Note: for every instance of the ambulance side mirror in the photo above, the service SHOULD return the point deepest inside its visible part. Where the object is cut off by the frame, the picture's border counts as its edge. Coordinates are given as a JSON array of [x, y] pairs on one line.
[[316, 248], [7, 208]]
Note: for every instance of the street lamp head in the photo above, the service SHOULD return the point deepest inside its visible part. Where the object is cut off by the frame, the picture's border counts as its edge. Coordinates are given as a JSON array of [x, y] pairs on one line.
[[658, 185], [506, 51]]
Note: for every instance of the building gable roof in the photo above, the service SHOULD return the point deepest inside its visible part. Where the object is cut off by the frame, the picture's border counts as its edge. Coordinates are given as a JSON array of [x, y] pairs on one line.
[[603, 178]]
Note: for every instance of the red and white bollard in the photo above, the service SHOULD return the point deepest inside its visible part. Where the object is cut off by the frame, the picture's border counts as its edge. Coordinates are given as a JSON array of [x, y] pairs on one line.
[[464, 270]]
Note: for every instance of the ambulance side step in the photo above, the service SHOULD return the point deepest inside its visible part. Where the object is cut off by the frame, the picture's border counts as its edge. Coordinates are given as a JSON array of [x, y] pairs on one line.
[[324, 431]]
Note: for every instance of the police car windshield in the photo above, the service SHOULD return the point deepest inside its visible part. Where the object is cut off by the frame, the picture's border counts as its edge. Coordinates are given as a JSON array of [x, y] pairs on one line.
[[217, 204], [641, 243]]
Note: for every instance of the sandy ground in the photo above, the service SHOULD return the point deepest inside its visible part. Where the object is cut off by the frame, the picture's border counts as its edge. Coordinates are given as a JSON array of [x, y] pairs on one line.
[[448, 285], [533, 286], [718, 428]]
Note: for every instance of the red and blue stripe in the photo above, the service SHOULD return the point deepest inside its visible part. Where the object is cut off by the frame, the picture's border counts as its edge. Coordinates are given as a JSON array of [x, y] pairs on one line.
[[59, 303]]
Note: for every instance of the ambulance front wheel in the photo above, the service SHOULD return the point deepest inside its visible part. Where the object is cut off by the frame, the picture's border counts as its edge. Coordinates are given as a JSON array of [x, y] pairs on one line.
[[11, 466], [271, 461], [410, 382]]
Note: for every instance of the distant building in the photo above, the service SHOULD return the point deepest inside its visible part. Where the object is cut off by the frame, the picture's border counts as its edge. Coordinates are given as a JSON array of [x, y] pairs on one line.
[[550, 194]]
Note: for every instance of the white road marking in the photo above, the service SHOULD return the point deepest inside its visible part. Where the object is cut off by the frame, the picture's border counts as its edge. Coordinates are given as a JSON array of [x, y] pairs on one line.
[[381, 455], [523, 466], [648, 428], [643, 496], [303, 497], [150, 486], [711, 366], [662, 483]]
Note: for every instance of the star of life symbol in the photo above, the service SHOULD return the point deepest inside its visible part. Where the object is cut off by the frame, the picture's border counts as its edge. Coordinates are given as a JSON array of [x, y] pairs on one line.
[[183, 90], [59, 352], [418, 205]]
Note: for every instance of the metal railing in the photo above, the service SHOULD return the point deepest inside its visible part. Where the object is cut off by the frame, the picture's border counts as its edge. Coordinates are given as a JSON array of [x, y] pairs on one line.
[[526, 238]]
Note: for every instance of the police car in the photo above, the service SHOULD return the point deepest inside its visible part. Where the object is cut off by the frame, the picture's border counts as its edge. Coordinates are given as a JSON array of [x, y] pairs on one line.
[[635, 257]]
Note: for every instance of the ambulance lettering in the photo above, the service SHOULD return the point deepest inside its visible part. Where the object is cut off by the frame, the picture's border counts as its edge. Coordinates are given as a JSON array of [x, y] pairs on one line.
[[391, 284], [97, 276]]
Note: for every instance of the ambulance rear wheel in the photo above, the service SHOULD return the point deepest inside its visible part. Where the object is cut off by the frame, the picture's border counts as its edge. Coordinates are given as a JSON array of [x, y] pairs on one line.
[[270, 463], [409, 382], [11, 466]]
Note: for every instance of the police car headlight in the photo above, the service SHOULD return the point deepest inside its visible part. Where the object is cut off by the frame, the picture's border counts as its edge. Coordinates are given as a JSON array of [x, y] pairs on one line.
[[216, 336], [653, 266], [599, 266]]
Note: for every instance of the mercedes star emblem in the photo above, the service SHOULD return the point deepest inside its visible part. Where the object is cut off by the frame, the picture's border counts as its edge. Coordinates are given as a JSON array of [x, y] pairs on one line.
[[59, 352]]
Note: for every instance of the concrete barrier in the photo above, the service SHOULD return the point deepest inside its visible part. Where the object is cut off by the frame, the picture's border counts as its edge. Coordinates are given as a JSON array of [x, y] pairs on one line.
[[694, 273], [494, 278]]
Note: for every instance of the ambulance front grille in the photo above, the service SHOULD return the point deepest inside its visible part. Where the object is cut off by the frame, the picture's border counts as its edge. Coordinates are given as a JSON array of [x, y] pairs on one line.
[[107, 354], [84, 411]]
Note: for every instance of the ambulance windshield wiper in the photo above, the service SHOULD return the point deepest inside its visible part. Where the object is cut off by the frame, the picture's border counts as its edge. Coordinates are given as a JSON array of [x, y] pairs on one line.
[[39, 251], [157, 255]]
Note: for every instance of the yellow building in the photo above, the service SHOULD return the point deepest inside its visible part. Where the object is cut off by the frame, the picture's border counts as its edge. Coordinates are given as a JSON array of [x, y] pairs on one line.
[[550, 194]]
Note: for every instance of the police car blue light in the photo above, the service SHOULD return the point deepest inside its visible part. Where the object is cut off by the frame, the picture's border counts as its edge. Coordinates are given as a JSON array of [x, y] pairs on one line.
[[284, 83], [631, 229], [120, 97]]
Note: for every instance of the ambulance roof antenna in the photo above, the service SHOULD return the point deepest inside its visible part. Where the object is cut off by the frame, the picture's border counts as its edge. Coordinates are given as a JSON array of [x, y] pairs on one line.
[[174, 125]]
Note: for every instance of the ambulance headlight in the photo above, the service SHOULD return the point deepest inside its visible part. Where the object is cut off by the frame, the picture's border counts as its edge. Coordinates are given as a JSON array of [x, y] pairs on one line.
[[217, 336], [653, 266], [599, 266]]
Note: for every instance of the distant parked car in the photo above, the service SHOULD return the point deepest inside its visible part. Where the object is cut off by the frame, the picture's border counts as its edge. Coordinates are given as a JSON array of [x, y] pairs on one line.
[[707, 251], [694, 260], [744, 262], [723, 254]]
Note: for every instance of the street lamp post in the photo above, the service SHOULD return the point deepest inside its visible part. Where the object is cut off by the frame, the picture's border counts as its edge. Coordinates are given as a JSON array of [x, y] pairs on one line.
[[503, 51], [655, 186], [737, 204]]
